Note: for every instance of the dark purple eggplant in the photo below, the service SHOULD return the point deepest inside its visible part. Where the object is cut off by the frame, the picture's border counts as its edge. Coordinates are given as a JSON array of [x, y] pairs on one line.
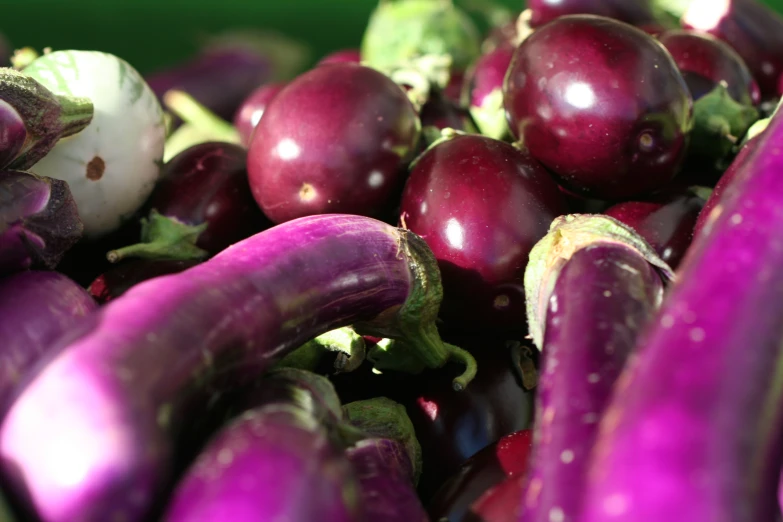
[[505, 458], [484, 90], [698, 412], [481, 205], [334, 140], [35, 308], [39, 221], [121, 278], [601, 104], [666, 222], [201, 205], [592, 285], [123, 384], [342, 56], [33, 119], [249, 114], [636, 12], [441, 113]]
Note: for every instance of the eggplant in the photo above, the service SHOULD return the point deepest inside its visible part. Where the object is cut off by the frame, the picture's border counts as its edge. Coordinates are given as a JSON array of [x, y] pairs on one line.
[[151, 359], [121, 278], [33, 119], [694, 430], [39, 221], [592, 285], [35, 308]]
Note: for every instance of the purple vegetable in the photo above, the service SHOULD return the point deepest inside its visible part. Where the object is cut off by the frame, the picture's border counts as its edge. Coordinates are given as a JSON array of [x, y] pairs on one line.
[[38, 221], [151, 359], [202, 205], [458, 190], [249, 114], [666, 222], [592, 285], [335, 140], [35, 309], [33, 119], [695, 426], [601, 104], [342, 56], [441, 113], [636, 12], [121, 278], [501, 503], [484, 88]]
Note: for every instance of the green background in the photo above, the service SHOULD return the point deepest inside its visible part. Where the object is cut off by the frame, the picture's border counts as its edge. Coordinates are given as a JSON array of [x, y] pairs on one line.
[[151, 34]]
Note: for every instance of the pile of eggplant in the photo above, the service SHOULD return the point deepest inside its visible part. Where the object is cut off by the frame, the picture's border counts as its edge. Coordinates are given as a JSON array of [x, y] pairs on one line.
[[488, 266]]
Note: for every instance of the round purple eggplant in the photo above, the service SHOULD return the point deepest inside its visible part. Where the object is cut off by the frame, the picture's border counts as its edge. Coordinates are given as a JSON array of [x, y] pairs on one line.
[[342, 56], [484, 90], [201, 206], [481, 205], [705, 61], [121, 278], [335, 140], [249, 114], [636, 12], [601, 104], [665, 222]]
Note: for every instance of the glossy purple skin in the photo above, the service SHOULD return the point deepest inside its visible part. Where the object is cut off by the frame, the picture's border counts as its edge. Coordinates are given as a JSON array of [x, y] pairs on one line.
[[121, 278], [705, 61], [601, 104], [666, 223], [636, 12], [335, 140], [342, 56], [249, 114], [173, 341], [709, 364], [13, 133], [207, 183], [603, 296], [481, 205], [488, 74], [705, 216], [219, 79], [385, 476], [753, 29], [35, 308], [39, 221], [505, 458], [442, 113], [268, 465]]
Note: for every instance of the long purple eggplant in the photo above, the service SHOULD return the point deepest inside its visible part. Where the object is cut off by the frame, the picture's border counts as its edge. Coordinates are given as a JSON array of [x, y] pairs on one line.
[[39, 221], [35, 308], [594, 284], [281, 460], [695, 427], [124, 384]]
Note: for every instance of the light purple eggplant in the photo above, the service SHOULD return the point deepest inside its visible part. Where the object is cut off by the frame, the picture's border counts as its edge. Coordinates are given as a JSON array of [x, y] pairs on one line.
[[594, 285], [39, 221], [35, 308], [124, 384], [694, 430]]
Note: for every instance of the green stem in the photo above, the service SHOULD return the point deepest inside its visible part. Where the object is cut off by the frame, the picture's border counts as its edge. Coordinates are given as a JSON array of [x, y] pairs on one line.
[[349, 346], [75, 114], [164, 237], [192, 112]]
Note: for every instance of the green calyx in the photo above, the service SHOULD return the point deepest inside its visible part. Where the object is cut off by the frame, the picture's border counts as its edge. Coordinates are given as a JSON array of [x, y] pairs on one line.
[[47, 117], [567, 235], [413, 324], [345, 342], [671, 11], [420, 76], [201, 125], [383, 418], [311, 392], [719, 123], [402, 30], [164, 237], [490, 117]]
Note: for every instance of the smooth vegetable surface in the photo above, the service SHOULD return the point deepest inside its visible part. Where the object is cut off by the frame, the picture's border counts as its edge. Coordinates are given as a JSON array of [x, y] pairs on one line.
[[252, 108], [638, 12], [598, 284], [484, 90], [335, 140], [35, 308], [126, 382], [601, 104], [113, 164], [697, 413], [38, 221], [344, 55]]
